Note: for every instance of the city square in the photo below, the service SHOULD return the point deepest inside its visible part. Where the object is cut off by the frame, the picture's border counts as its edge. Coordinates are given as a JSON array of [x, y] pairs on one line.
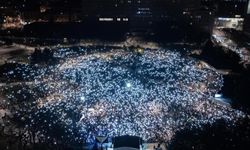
[[114, 92]]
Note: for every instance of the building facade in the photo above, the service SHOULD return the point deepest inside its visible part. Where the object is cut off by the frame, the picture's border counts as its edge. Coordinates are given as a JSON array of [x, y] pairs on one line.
[[247, 19]]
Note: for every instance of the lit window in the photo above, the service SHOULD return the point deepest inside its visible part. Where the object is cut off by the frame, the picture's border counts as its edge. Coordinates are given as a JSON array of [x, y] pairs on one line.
[[106, 19], [125, 19]]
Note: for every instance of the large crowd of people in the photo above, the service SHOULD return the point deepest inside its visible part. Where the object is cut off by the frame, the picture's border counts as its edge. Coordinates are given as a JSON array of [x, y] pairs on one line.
[[112, 92]]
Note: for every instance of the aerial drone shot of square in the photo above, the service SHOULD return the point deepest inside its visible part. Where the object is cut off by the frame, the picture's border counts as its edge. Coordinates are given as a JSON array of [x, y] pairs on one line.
[[124, 74]]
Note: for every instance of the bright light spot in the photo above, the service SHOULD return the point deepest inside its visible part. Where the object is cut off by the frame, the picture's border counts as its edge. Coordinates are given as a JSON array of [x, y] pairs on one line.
[[218, 96], [128, 85], [91, 109], [82, 98], [125, 19], [106, 19]]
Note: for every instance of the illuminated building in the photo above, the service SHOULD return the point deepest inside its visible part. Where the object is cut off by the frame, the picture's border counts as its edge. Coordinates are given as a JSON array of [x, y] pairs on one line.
[[108, 10], [141, 15], [248, 8], [230, 14], [247, 19]]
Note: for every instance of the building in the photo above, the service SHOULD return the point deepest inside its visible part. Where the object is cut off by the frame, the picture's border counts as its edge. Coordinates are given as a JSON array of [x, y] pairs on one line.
[[108, 10], [141, 15], [248, 8], [230, 14], [231, 8], [247, 19]]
